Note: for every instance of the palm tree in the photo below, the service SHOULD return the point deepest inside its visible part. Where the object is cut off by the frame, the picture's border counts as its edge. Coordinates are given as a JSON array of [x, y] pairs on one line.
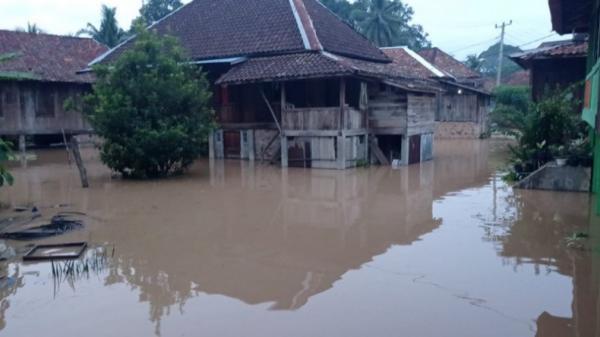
[[387, 23], [109, 32], [32, 28], [474, 62]]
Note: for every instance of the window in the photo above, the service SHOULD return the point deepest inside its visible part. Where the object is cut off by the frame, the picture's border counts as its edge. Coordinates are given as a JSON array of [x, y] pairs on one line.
[[45, 102]]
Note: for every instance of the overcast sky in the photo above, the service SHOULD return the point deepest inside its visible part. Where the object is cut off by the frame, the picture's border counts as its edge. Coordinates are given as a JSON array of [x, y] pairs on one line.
[[460, 27]]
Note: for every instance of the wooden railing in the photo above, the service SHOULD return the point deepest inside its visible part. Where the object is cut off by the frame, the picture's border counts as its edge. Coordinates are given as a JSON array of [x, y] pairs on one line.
[[322, 119]]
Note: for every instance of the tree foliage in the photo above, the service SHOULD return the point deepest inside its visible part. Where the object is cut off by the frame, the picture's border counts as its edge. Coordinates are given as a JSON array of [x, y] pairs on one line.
[[512, 107], [32, 28], [384, 22], [151, 108], [5, 177], [548, 129], [474, 62], [489, 61], [109, 33], [155, 10]]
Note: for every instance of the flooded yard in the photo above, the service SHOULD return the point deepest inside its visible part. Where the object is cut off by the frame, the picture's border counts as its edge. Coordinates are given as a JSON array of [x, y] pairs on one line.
[[445, 248]]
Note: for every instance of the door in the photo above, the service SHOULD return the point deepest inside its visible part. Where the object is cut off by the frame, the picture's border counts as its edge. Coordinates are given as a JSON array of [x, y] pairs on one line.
[[414, 152], [232, 144]]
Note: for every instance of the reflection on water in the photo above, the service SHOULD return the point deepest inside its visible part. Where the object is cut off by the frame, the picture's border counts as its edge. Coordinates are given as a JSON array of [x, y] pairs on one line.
[[234, 249]]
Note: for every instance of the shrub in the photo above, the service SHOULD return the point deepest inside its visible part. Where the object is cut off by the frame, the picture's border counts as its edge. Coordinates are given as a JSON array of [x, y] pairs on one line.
[[512, 106], [151, 108], [551, 129], [5, 177]]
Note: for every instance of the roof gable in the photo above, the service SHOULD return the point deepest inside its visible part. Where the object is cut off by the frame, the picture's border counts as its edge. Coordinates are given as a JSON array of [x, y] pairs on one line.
[[448, 64], [47, 57], [211, 29]]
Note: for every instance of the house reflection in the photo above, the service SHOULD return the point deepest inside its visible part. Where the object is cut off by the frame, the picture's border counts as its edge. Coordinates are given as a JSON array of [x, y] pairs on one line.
[[258, 234], [537, 236]]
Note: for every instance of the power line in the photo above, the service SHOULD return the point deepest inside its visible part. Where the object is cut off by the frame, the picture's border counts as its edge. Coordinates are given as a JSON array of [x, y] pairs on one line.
[[537, 40], [473, 45]]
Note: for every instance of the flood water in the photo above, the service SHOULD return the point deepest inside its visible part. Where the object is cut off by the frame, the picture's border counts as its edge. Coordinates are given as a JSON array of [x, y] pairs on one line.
[[445, 248]]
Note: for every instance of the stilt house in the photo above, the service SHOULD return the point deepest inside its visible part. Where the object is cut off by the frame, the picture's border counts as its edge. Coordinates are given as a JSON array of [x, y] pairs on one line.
[[37, 75], [295, 84]]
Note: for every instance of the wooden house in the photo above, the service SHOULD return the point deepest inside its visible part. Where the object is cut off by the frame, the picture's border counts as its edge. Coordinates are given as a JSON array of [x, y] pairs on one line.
[[37, 77], [555, 65], [461, 105], [293, 83]]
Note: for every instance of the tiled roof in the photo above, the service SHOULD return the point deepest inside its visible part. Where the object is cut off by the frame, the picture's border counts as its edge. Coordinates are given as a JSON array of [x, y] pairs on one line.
[[284, 67], [448, 64], [316, 65], [339, 38], [406, 63], [212, 29], [556, 49], [49, 58]]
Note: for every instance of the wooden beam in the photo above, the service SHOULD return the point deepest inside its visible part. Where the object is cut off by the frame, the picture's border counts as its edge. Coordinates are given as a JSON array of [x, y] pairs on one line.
[[262, 93], [79, 162], [342, 102]]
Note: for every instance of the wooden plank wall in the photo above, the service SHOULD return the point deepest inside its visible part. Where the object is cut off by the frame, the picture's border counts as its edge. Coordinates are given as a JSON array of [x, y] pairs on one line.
[[387, 108], [458, 108], [22, 104], [421, 113]]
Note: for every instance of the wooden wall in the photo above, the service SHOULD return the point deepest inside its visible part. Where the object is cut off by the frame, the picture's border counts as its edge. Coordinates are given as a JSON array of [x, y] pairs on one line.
[[421, 113], [552, 74], [37, 108], [387, 108]]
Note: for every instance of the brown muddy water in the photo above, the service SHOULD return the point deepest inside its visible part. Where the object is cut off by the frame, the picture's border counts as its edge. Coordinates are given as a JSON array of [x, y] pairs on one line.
[[439, 249]]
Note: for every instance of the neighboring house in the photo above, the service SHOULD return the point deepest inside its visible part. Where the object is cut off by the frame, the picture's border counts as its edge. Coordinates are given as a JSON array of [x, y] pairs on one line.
[[452, 67], [583, 16], [555, 65], [292, 82], [462, 106], [520, 78], [40, 75]]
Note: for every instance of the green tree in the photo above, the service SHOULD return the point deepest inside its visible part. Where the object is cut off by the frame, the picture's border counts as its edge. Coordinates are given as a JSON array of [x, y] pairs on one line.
[[5, 177], [512, 107], [388, 23], [109, 33], [151, 107], [489, 65], [384, 22], [474, 62], [32, 28], [155, 10]]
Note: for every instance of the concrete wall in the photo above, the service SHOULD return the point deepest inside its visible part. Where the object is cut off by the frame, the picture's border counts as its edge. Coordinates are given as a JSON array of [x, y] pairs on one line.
[[38, 108], [458, 130], [555, 178]]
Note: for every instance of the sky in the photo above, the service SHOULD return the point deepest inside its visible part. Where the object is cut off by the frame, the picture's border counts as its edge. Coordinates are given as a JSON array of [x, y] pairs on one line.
[[460, 27]]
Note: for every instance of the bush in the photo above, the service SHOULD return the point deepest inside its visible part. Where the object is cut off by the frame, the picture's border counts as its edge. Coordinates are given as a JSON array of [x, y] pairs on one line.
[[5, 152], [512, 106], [151, 108], [551, 129]]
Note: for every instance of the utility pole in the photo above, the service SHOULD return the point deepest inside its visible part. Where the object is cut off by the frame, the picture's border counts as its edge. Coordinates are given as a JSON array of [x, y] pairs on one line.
[[501, 54]]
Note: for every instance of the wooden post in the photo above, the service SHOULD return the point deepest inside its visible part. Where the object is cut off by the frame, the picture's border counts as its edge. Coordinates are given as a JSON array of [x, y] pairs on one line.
[[283, 104], [341, 152], [284, 151], [342, 102], [79, 162]]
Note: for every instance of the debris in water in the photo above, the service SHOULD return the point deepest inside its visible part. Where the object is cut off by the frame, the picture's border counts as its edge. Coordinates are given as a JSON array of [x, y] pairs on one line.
[[56, 252], [59, 224], [6, 252]]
